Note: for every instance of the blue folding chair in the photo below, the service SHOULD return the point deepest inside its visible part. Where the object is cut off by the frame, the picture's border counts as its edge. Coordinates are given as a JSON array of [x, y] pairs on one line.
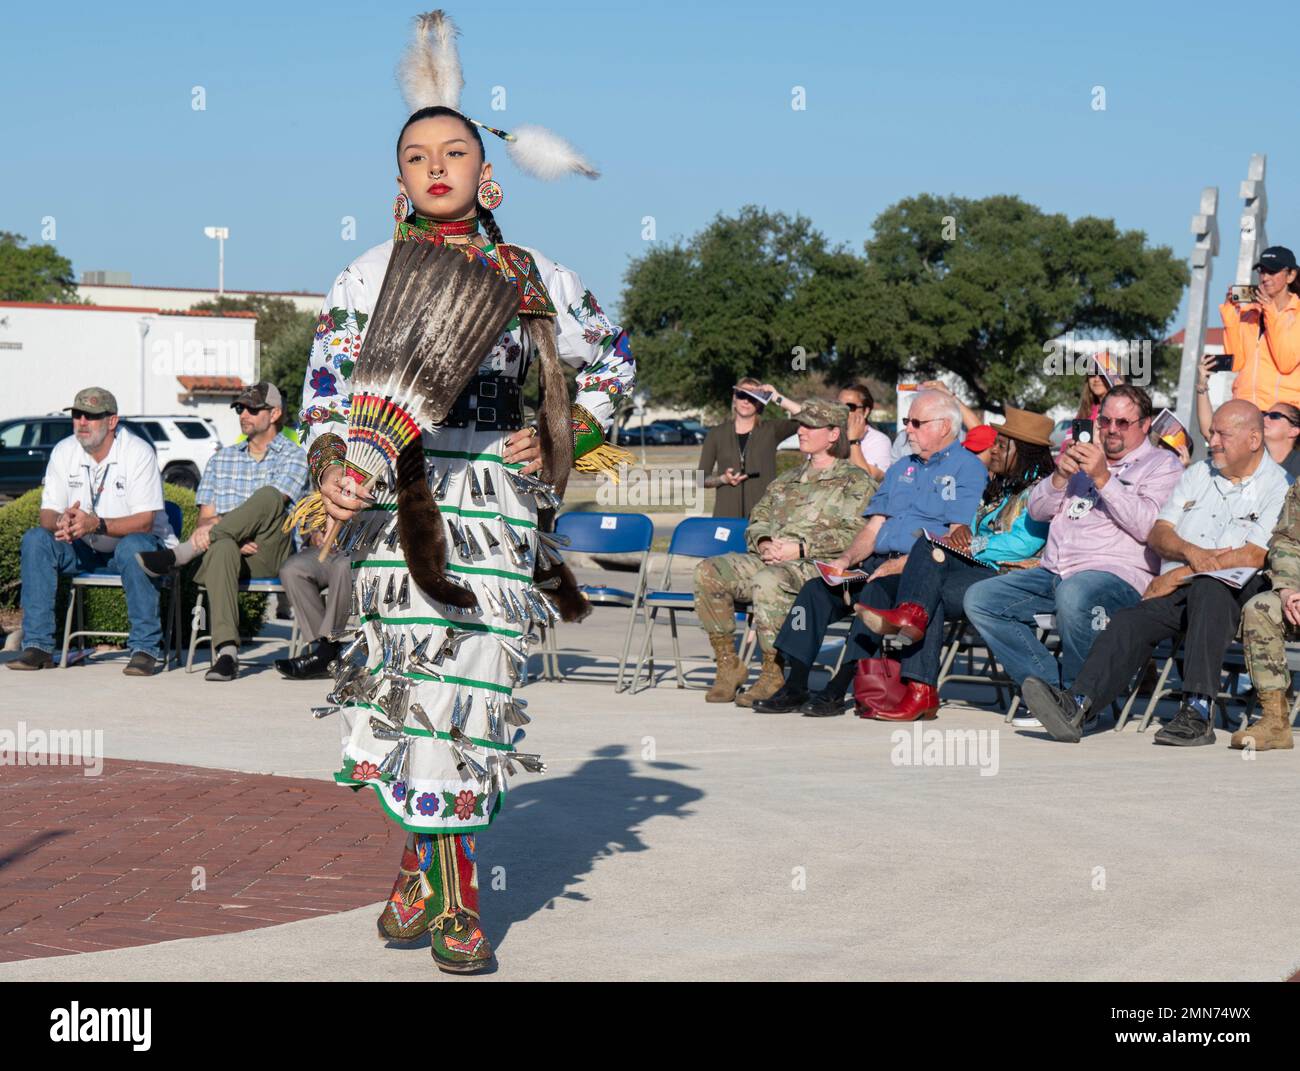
[[695, 537], [97, 579], [604, 533]]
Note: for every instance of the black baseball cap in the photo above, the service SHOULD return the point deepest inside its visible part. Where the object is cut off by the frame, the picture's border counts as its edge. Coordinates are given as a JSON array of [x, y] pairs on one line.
[[1276, 258]]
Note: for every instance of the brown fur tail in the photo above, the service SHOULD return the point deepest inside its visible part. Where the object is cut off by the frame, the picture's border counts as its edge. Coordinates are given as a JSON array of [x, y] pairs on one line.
[[419, 526]]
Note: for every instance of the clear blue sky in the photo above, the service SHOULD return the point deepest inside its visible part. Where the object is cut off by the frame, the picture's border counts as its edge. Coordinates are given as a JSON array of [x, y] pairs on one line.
[[685, 107]]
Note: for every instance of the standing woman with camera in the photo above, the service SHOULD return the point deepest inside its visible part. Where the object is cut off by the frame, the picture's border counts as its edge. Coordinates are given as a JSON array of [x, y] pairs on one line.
[[1263, 334], [739, 455]]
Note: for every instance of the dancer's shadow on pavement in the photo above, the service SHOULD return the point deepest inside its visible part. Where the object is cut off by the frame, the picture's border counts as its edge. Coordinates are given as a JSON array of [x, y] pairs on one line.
[[552, 830]]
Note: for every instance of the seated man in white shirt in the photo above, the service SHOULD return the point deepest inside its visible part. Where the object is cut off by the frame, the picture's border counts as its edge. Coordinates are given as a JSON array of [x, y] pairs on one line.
[[1220, 516], [102, 503]]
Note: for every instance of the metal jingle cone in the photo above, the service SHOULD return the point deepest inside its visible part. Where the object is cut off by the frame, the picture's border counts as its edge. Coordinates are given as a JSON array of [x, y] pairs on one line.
[[458, 538], [441, 491], [421, 649], [552, 611], [554, 539], [518, 737], [393, 763], [423, 718], [387, 649], [515, 654], [399, 655], [518, 548], [431, 475], [531, 763], [457, 712], [391, 542], [493, 604], [549, 584], [324, 712], [354, 607], [488, 489], [381, 730], [368, 604], [493, 543], [520, 606], [475, 769], [467, 710], [493, 711], [496, 775], [357, 645], [404, 593], [513, 712], [475, 491], [475, 550], [550, 556], [390, 590], [536, 610], [508, 610]]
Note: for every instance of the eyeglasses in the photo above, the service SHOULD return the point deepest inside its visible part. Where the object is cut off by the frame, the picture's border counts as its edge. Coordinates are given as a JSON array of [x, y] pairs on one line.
[[853, 407], [912, 422], [81, 414], [240, 407], [1282, 416], [1118, 423]]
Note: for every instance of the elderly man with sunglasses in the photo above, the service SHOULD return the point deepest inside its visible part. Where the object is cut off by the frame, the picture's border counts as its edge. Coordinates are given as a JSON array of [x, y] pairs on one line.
[[101, 503], [242, 499], [1101, 502]]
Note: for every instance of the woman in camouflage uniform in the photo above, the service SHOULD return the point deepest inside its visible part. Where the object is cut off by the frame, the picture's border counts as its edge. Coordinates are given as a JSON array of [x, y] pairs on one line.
[[810, 512]]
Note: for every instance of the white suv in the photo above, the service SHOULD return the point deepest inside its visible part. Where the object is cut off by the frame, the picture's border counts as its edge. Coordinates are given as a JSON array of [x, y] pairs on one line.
[[184, 444]]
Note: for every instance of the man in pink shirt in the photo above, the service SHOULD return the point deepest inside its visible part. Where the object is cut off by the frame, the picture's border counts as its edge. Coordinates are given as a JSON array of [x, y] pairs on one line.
[[1102, 502]]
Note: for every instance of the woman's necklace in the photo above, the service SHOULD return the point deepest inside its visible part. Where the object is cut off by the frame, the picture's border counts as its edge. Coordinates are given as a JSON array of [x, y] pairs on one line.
[[416, 228]]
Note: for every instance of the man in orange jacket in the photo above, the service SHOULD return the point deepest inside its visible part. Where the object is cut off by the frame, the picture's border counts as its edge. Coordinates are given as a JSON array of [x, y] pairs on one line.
[[1263, 335]]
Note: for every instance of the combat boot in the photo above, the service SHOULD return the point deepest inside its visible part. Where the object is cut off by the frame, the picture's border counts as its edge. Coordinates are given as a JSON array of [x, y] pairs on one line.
[[731, 674], [769, 682], [1273, 730]]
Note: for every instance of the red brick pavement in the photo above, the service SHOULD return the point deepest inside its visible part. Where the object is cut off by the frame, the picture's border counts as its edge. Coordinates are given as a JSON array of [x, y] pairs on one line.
[[90, 863]]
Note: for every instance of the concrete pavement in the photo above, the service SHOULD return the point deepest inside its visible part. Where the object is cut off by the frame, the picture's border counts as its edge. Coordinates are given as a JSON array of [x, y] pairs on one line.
[[677, 840]]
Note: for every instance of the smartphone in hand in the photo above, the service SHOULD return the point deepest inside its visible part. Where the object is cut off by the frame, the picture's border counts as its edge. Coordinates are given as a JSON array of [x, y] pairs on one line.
[[1081, 431], [1222, 362]]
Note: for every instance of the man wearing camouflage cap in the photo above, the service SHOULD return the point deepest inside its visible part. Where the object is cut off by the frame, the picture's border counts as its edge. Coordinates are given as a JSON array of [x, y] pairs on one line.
[[1267, 622], [807, 513]]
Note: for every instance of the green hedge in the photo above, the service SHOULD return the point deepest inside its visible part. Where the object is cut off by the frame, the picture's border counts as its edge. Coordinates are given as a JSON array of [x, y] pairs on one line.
[[106, 607]]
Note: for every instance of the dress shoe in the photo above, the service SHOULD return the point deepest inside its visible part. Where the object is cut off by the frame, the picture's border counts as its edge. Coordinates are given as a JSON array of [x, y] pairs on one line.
[[907, 619], [824, 705], [920, 703], [786, 701], [308, 667]]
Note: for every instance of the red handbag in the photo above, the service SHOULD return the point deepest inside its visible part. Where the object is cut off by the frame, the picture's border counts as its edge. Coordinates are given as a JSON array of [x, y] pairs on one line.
[[877, 685]]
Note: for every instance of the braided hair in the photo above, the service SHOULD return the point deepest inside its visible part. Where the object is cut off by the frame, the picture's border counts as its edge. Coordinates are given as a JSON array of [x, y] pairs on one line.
[[1032, 462], [486, 220]]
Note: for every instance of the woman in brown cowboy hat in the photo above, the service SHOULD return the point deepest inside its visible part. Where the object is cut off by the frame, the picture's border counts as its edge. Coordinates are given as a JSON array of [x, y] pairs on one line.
[[936, 576]]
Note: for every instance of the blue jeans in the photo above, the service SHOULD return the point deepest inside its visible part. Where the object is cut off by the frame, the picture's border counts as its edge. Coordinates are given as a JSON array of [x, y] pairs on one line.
[[938, 588], [1002, 608], [44, 558]]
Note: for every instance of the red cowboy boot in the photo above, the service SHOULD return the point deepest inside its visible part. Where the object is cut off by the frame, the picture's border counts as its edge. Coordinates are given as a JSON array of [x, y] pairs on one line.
[[920, 703], [906, 619]]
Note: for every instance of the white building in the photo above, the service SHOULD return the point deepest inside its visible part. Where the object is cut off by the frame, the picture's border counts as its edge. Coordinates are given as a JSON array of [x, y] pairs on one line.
[[115, 288], [154, 361]]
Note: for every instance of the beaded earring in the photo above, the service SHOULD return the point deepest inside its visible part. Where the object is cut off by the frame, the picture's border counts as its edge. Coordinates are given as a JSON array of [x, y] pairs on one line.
[[490, 195], [401, 209]]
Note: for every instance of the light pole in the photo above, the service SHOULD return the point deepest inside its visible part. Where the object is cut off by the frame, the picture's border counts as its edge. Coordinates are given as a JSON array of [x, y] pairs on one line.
[[639, 400], [220, 234]]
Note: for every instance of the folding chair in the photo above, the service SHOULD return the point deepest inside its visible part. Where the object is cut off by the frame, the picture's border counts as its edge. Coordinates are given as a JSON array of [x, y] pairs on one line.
[[94, 579], [264, 585], [1234, 661], [695, 537], [604, 533]]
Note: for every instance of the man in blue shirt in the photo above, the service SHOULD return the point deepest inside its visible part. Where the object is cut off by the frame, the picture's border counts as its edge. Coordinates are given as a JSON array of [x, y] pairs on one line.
[[935, 487], [241, 498]]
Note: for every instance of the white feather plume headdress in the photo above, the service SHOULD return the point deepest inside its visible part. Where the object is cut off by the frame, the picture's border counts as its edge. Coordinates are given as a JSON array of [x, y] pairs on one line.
[[430, 76]]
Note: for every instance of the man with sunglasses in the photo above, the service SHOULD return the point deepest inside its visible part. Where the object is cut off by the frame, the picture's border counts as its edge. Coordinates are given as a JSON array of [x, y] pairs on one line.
[[1101, 503], [1221, 515], [101, 504], [242, 499]]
